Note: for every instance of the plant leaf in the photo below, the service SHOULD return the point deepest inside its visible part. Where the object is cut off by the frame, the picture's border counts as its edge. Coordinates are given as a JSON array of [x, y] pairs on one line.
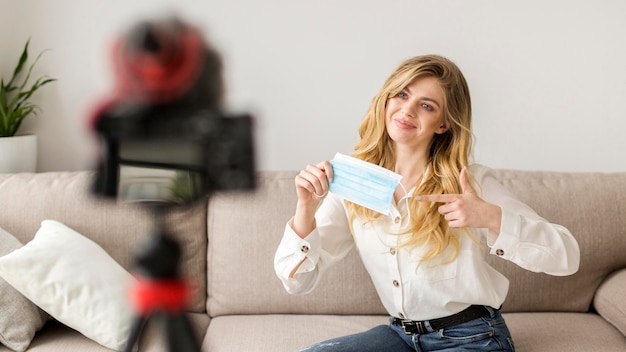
[[20, 115], [3, 96], [4, 111], [14, 104], [24, 95], [21, 63]]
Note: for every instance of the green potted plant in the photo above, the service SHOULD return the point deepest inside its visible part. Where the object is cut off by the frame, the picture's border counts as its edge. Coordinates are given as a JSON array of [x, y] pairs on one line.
[[15, 106]]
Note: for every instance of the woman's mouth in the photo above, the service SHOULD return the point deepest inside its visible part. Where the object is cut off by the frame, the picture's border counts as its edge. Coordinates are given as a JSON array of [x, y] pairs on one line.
[[404, 124]]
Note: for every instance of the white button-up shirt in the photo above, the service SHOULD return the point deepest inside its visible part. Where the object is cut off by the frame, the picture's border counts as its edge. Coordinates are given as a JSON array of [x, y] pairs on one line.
[[431, 289]]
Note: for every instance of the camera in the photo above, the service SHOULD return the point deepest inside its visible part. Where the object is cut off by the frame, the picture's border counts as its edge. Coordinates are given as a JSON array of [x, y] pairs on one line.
[[165, 138]]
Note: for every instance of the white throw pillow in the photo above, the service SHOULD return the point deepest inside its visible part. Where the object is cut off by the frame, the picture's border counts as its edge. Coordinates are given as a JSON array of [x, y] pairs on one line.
[[75, 281]]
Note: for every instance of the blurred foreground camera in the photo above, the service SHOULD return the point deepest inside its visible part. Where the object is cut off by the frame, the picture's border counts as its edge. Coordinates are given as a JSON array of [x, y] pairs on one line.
[[165, 137], [166, 141]]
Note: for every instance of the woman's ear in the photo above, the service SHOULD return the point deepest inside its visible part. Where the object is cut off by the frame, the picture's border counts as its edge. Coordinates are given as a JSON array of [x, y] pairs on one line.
[[442, 129]]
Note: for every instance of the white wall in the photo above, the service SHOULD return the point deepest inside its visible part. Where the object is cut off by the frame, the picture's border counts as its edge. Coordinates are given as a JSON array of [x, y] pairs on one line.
[[548, 78]]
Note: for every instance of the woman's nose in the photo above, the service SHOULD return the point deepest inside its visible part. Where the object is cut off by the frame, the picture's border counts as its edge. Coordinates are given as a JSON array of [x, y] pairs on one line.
[[409, 109]]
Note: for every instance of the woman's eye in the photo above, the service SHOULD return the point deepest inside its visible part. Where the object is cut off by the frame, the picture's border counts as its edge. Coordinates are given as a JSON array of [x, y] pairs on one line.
[[402, 95], [427, 106]]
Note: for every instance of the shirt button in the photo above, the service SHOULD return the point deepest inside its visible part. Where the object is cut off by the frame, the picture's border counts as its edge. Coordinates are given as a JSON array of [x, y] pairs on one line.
[[396, 283], [396, 219], [392, 251], [400, 315], [499, 252], [304, 249]]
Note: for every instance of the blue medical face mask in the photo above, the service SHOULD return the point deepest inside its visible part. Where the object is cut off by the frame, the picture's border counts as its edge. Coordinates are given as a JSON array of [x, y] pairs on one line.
[[363, 183]]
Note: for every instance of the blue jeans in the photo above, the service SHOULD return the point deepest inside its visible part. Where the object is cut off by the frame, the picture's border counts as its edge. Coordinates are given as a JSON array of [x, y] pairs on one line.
[[483, 334]]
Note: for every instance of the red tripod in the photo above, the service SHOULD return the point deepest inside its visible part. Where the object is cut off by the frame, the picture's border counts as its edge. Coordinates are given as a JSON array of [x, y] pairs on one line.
[[162, 294]]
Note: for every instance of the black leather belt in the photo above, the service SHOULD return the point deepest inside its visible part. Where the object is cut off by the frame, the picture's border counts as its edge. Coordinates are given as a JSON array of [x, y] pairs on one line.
[[411, 327]]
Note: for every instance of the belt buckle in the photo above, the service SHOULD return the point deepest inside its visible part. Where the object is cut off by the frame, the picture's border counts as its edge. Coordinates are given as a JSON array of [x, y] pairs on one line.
[[404, 324], [419, 327]]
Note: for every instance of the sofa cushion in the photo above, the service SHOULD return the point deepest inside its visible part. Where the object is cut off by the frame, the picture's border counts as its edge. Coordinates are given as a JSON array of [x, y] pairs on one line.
[[531, 332], [19, 317], [120, 229], [610, 300], [75, 281], [57, 337], [278, 333], [244, 231], [563, 332], [592, 207]]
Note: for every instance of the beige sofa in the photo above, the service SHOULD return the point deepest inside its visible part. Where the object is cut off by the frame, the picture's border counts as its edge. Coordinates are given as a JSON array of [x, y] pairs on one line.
[[239, 305]]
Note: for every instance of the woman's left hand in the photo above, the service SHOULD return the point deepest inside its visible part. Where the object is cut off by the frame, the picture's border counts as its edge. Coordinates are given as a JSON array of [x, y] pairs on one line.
[[466, 209]]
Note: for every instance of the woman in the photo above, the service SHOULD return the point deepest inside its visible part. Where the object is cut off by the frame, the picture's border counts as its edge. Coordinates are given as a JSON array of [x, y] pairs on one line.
[[427, 257]]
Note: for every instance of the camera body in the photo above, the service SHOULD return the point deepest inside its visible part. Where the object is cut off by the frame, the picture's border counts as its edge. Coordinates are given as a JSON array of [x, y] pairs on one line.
[[182, 151]]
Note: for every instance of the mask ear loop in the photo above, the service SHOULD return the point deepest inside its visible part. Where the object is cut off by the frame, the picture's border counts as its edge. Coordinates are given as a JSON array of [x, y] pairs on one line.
[[408, 210], [406, 199], [406, 194]]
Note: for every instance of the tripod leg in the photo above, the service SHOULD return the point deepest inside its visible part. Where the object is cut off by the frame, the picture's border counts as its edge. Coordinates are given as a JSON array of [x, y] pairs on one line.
[[180, 334], [133, 338]]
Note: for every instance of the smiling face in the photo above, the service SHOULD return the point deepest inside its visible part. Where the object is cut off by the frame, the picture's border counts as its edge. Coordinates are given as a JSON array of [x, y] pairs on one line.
[[416, 114]]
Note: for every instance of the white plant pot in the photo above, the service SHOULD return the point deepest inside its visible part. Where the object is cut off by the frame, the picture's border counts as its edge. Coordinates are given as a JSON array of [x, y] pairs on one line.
[[18, 154]]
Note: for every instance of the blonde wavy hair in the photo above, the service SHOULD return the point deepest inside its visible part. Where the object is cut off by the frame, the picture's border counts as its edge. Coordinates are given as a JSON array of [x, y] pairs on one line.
[[448, 153]]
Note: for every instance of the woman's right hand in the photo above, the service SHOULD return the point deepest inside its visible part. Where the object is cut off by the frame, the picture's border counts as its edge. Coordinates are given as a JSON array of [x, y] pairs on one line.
[[311, 188], [312, 182]]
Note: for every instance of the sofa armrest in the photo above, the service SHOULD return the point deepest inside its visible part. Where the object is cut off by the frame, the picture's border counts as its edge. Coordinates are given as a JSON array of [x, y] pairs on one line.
[[610, 300]]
